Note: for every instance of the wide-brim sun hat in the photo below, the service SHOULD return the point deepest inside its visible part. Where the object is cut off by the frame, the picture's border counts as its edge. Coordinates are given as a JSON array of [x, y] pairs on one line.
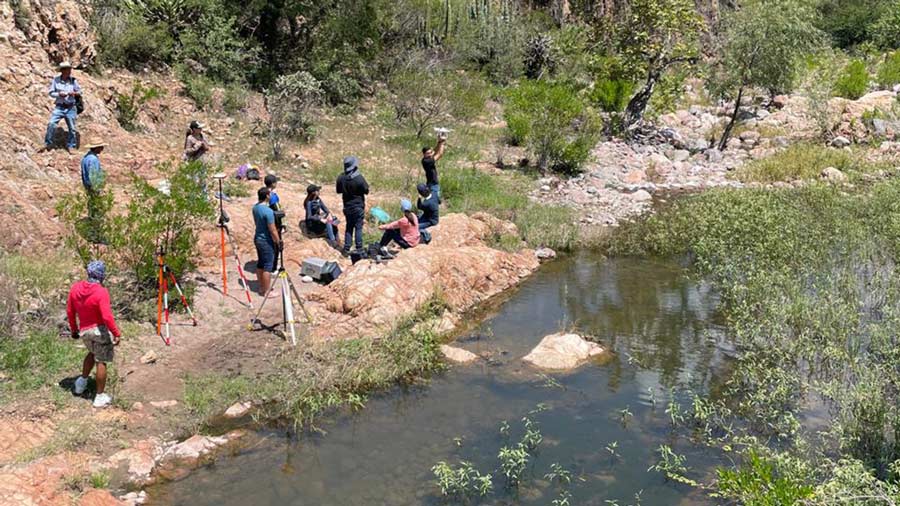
[[96, 144], [64, 65]]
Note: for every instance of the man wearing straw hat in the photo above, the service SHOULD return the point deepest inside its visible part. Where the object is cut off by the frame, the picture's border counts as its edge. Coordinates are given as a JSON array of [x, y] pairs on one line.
[[93, 178], [65, 92]]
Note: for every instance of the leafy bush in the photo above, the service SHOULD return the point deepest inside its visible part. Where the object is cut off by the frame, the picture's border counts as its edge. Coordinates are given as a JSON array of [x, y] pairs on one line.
[[554, 122], [759, 481], [886, 31], [150, 220], [492, 39], [799, 161], [853, 81], [422, 98], [213, 45], [611, 95], [290, 104], [197, 87], [234, 98], [539, 56], [889, 71], [128, 106], [849, 22], [129, 42]]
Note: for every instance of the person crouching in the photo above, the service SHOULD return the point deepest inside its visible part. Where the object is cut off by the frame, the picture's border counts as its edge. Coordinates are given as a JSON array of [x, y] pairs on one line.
[[90, 318], [405, 231]]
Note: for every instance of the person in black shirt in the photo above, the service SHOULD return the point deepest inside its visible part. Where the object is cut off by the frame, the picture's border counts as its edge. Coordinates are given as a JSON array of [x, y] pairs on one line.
[[429, 163], [428, 204], [353, 188]]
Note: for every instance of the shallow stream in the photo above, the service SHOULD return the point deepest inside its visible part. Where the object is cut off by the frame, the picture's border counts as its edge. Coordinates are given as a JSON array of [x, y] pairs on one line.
[[665, 339]]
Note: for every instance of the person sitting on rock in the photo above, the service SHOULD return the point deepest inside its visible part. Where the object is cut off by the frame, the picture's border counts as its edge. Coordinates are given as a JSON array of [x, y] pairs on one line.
[[319, 219], [405, 231], [90, 318], [428, 204], [195, 144], [65, 92]]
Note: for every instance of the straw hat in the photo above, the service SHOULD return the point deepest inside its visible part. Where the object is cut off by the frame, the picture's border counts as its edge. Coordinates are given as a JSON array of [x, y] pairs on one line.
[[65, 65], [96, 144]]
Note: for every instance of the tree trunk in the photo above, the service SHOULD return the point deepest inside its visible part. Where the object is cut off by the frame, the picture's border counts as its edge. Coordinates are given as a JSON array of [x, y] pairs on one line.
[[734, 114], [634, 113]]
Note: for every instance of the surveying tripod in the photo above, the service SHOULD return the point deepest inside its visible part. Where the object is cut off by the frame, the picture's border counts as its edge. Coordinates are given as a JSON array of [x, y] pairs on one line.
[[287, 306], [226, 232], [165, 276]]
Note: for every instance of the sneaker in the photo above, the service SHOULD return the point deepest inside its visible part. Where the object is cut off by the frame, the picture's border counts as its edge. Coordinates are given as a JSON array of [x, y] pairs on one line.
[[80, 385], [102, 400]]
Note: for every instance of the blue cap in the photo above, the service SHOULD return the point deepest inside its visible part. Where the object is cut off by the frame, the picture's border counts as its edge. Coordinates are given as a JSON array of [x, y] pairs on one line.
[[423, 189], [350, 163], [96, 271], [405, 205]]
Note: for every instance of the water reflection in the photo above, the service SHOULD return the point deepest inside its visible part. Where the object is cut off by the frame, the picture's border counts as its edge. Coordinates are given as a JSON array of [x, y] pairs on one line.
[[662, 328]]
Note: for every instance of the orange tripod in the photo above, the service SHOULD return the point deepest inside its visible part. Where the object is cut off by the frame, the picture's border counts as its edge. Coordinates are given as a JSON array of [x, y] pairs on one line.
[[224, 231], [165, 277]]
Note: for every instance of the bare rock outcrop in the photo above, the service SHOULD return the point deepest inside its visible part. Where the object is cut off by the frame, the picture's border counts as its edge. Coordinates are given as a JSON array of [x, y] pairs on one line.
[[562, 352]]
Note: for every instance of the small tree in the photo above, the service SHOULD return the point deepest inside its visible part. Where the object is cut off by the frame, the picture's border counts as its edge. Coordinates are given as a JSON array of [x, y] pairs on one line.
[[554, 122], [655, 36], [420, 98], [761, 47], [290, 104]]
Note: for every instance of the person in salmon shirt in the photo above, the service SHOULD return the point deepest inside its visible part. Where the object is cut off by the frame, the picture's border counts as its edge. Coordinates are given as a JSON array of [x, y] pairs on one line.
[[405, 231]]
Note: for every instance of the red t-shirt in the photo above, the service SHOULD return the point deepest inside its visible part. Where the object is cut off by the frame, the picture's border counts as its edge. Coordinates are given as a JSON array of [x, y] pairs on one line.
[[90, 303]]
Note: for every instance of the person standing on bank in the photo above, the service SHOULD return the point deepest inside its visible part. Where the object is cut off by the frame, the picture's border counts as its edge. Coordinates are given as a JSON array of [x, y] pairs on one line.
[[428, 204], [429, 163], [405, 231], [195, 144], [271, 182], [266, 239], [353, 188], [91, 319], [93, 179], [66, 93]]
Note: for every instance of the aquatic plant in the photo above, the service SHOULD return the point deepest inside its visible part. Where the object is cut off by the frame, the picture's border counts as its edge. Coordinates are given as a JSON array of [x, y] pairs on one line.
[[513, 462], [462, 481], [672, 465], [558, 474], [532, 437]]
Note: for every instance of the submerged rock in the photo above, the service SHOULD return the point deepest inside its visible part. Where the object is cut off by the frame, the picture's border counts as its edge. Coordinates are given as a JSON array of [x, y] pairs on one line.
[[458, 355], [562, 352]]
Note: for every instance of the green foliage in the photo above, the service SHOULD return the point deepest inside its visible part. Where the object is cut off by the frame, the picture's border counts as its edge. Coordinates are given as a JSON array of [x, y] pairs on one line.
[[129, 105], [234, 99], [853, 81], [558, 127], [801, 161], [886, 31], [150, 219], [34, 360], [807, 276], [128, 41], [611, 95], [672, 465], [540, 59], [290, 104], [758, 482], [849, 22], [99, 480], [889, 71], [422, 98], [461, 482], [513, 462], [492, 39], [206, 395], [763, 45], [197, 87], [21, 15], [212, 45]]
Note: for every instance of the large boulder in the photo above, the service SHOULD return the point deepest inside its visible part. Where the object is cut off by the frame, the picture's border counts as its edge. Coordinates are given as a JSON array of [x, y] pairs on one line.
[[562, 352]]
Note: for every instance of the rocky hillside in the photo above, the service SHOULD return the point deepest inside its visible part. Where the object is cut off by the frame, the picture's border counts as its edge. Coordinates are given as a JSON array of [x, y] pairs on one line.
[[32, 181]]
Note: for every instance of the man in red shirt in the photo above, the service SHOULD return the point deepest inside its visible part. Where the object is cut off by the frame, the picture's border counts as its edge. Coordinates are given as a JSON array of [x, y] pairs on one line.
[[89, 301]]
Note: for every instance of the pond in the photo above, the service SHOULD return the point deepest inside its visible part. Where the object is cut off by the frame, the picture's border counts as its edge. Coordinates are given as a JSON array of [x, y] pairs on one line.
[[602, 422]]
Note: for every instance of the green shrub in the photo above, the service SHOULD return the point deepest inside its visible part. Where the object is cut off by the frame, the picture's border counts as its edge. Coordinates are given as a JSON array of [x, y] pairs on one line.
[[35, 360], [853, 81], [129, 105], [556, 124], [213, 45], [758, 481], [151, 219], [849, 22], [889, 71], [886, 31], [290, 104], [491, 38], [198, 88], [611, 95], [235, 98], [803, 161]]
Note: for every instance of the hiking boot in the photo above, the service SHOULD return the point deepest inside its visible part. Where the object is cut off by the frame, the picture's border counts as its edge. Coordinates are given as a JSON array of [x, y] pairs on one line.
[[102, 400], [345, 252], [80, 385]]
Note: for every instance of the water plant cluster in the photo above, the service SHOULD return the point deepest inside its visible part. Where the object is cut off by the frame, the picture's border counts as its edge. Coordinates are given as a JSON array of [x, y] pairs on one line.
[[809, 412]]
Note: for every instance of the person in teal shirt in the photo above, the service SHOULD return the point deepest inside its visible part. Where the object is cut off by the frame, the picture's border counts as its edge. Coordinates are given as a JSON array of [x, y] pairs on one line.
[[266, 239], [93, 178]]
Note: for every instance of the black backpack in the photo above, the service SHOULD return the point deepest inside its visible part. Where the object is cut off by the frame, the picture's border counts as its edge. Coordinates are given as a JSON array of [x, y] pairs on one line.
[[253, 174], [79, 102]]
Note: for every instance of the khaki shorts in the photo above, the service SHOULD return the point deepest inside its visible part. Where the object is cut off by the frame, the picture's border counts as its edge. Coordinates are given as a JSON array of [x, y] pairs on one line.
[[99, 342]]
